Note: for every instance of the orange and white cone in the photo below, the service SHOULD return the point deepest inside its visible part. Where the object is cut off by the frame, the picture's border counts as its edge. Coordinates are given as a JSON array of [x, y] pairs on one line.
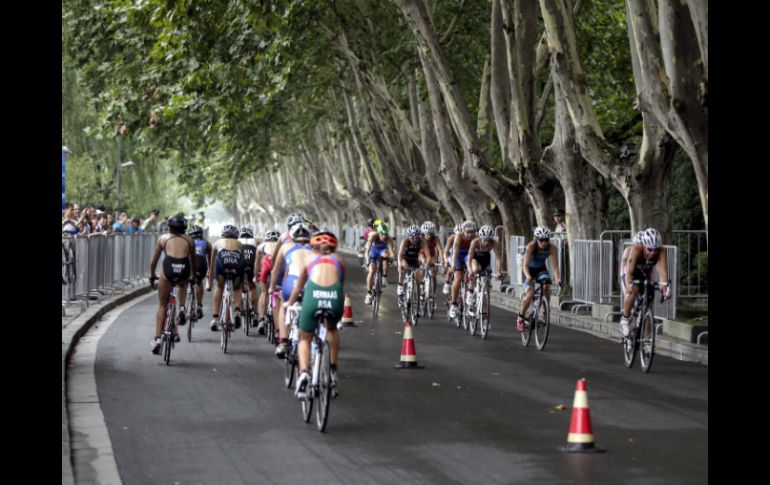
[[580, 438], [347, 312], [408, 354]]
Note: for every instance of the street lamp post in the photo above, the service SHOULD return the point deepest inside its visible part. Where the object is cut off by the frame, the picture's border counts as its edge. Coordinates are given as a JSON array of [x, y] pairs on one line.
[[117, 190]]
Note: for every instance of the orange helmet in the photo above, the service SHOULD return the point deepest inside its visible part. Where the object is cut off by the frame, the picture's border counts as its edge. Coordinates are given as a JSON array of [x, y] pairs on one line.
[[324, 238]]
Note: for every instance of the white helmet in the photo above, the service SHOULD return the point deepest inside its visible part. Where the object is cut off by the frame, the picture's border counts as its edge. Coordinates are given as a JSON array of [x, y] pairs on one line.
[[412, 231], [542, 232], [638, 237], [469, 226], [428, 228], [651, 238], [300, 233], [486, 232]]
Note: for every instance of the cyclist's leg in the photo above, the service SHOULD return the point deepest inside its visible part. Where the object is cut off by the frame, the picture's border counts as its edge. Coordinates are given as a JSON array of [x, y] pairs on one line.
[[164, 292], [385, 263]]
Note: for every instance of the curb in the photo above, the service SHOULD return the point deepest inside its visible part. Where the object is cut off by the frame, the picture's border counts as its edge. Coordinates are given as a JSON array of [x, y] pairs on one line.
[[70, 336]]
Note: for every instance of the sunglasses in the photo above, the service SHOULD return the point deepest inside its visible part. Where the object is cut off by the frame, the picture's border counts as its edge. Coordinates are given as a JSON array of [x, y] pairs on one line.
[[652, 250], [543, 240]]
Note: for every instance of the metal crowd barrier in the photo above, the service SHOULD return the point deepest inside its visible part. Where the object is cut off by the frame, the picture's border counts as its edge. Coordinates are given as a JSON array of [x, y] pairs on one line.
[[95, 265], [591, 272], [516, 247], [693, 279]]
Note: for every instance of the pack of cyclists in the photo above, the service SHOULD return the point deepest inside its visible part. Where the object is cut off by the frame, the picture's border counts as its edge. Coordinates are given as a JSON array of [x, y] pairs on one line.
[[301, 265]]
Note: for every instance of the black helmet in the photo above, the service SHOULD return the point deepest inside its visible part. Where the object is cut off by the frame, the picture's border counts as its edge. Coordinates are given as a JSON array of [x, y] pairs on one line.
[[195, 232], [177, 225], [370, 222], [246, 232]]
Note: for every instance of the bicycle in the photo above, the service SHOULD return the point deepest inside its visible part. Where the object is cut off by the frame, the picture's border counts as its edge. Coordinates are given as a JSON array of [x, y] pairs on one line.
[[643, 328], [269, 319], [246, 314], [168, 335], [292, 359], [191, 308], [226, 313], [429, 294], [320, 384], [481, 310], [538, 316], [409, 302], [377, 288]]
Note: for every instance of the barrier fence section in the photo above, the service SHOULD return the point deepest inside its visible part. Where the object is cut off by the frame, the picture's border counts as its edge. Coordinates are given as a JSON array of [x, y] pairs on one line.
[[93, 265], [692, 253], [591, 270]]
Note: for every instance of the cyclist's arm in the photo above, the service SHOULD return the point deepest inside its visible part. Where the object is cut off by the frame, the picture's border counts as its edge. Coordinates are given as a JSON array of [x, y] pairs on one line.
[[527, 258], [191, 256], [472, 250], [401, 250], [277, 268], [155, 258], [662, 267], [212, 259], [257, 265], [368, 248], [630, 267], [456, 247], [277, 248], [449, 243]]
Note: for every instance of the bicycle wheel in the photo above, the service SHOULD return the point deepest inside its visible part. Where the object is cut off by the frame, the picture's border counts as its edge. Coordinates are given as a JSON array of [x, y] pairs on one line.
[[377, 292], [629, 345], [307, 402], [526, 335], [647, 341], [473, 320], [414, 309], [542, 323], [324, 388], [485, 314], [246, 314], [226, 322], [270, 328], [192, 314], [290, 365], [168, 333]]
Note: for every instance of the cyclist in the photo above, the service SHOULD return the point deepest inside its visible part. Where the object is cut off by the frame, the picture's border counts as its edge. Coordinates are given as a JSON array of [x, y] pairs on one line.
[[292, 254], [448, 250], [227, 261], [379, 245], [409, 257], [262, 266], [479, 257], [178, 266], [277, 272], [371, 223], [322, 275], [535, 256], [461, 245], [203, 252], [434, 254], [249, 248], [649, 253]]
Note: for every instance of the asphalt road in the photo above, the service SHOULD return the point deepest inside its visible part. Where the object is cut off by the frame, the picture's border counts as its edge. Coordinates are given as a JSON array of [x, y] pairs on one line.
[[480, 411]]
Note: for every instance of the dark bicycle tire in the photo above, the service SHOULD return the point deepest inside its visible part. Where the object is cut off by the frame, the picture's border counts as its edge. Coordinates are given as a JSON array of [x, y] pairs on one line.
[[473, 322], [414, 310], [192, 314], [629, 345], [291, 365], [246, 313], [270, 328], [485, 314], [307, 402], [377, 293], [324, 388], [646, 355], [168, 333], [526, 335], [225, 337], [542, 323]]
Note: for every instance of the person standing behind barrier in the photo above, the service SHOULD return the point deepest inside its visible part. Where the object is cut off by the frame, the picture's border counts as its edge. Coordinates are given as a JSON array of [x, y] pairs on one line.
[[151, 224], [178, 267], [649, 253], [560, 229], [535, 256], [122, 223]]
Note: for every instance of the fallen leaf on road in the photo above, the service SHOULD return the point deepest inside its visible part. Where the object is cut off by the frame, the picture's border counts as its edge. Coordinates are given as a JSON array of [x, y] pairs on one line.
[[459, 387], [213, 369], [630, 440], [436, 384], [560, 407], [398, 333]]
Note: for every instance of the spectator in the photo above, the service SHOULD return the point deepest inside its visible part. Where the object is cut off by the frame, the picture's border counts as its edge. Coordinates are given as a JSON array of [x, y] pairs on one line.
[[133, 226], [201, 221], [122, 224], [68, 224], [110, 221], [151, 224], [86, 220], [101, 222], [163, 226], [560, 231]]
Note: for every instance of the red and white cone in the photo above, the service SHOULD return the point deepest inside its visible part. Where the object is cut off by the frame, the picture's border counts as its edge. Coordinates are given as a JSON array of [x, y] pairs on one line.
[[408, 354], [580, 438], [347, 312]]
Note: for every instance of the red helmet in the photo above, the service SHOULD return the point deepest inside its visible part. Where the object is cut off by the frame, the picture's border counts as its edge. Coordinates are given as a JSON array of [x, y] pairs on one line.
[[324, 238]]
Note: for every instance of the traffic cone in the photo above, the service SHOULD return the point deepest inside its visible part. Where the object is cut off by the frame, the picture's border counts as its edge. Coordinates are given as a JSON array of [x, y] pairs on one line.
[[580, 438], [347, 313], [408, 355]]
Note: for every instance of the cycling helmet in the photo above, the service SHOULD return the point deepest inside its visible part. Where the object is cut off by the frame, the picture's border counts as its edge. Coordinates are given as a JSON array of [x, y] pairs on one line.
[[457, 228], [486, 232], [177, 225], [246, 232], [542, 232], [412, 231], [428, 228], [293, 219], [272, 235], [638, 237], [195, 232], [300, 233], [230, 231], [651, 238], [370, 222], [382, 228], [324, 239], [310, 225], [469, 226]]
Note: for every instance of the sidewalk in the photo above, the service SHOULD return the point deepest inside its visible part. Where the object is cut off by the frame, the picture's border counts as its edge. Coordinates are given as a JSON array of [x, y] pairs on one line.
[[74, 325]]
